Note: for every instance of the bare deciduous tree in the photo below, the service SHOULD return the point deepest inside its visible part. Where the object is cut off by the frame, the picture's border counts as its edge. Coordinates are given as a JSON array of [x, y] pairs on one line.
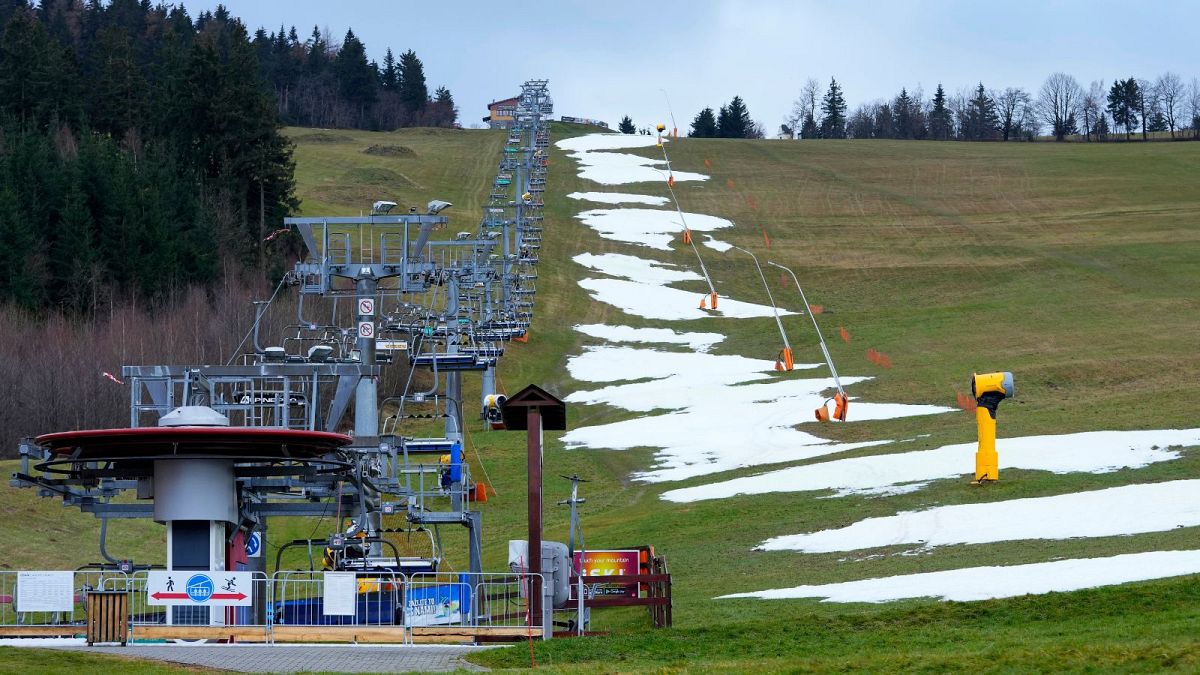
[[1170, 91], [1194, 106], [1091, 107], [1011, 105], [1058, 103], [805, 106]]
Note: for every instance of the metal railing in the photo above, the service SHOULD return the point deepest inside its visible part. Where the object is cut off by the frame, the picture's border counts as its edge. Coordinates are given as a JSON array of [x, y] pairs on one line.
[[52, 598]]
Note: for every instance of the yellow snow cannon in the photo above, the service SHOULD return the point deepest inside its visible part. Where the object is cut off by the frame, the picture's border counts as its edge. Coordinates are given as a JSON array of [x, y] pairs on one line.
[[989, 390]]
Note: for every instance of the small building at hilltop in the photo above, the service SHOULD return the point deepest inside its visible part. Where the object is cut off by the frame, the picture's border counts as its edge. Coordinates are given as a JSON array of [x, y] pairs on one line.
[[501, 113]]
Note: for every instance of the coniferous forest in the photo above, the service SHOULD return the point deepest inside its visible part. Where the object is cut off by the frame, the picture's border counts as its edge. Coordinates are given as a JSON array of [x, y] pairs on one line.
[[140, 148]]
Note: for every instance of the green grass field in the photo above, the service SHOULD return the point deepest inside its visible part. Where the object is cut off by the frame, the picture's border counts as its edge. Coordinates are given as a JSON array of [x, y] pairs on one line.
[[1073, 265]]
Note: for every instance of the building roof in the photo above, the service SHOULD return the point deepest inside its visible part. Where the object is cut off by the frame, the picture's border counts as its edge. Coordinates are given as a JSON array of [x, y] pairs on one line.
[[507, 101]]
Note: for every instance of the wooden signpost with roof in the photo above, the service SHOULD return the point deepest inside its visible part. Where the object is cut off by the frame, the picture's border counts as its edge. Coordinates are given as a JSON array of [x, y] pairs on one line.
[[534, 410]]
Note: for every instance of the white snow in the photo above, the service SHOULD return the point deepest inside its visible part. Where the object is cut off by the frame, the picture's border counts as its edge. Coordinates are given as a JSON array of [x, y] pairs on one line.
[[1129, 509], [716, 244], [669, 304], [635, 268], [725, 411], [618, 168], [590, 142], [655, 228], [701, 342], [619, 198], [982, 583], [1092, 452]]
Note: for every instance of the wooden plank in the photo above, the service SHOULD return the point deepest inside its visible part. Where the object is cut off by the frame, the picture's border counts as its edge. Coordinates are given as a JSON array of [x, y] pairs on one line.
[[375, 634], [627, 578], [42, 631], [498, 631], [625, 602], [237, 633]]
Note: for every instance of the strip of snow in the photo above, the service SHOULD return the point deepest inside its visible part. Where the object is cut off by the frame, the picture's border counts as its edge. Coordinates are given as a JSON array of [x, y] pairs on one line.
[[618, 168], [619, 198], [655, 228], [701, 342], [635, 268], [1091, 452], [1129, 509], [982, 583], [670, 304], [725, 411], [716, 244], [590, 142]]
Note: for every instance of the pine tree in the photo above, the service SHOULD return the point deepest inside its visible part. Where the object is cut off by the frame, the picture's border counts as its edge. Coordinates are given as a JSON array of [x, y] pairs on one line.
[[904, 116], [389, 77], [704, 125], [356, 77], [626, 126], [318, 56], [413, 92], [734, 120], [982, 122], [445, 114], [25, 76], [833, 111], [1123, 100], [809, 128], [941, 124], [120, 87]]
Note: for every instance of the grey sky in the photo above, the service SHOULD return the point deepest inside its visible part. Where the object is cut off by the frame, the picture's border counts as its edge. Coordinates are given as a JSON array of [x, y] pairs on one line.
[[605, 60]]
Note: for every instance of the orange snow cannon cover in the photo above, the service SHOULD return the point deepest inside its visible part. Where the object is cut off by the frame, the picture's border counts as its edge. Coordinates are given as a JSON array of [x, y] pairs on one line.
[[841, 405]]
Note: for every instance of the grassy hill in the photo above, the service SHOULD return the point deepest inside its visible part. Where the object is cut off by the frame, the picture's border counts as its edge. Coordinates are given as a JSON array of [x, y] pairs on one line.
[[1072, 265]]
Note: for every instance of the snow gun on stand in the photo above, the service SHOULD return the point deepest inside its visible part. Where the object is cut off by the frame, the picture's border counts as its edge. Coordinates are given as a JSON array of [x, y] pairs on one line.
[[841, 404], [989, 390]]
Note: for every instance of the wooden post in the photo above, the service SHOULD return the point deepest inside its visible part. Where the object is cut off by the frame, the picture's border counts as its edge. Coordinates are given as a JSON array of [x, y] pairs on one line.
[[533, 435], [541, 411]]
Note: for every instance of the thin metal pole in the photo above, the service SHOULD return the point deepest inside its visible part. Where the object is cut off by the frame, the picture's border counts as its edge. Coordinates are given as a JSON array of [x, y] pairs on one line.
[[770, 297], [682, 221], [824, 349]]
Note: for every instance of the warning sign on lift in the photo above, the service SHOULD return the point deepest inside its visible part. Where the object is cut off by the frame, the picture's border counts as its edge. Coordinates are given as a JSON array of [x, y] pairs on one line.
[[366, 329], [183, 587], [366, 306]]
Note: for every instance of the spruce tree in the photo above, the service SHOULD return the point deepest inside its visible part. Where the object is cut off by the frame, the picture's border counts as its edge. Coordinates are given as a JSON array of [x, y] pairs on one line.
[[982, 124], [356, 77], [734, 120], [903, 114], [413, 92], [389, 77], [704, 125], [833, 111], [941, 124], [626, 126]]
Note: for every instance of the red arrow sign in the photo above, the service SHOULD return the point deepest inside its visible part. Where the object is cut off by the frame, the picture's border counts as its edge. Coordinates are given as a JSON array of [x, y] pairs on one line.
[[158, 595], [228, 596]]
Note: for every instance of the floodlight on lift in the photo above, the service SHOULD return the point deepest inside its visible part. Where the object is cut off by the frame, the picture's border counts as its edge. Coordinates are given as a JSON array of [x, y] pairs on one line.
[[437, 206], [462, 236], [382, 207], [319, 353]]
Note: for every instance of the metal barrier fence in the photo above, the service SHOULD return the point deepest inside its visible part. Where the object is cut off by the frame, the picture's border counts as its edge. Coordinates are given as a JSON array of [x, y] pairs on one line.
[[144, 613], [482, 600], [51, 598], [426, 601], [336, 599]]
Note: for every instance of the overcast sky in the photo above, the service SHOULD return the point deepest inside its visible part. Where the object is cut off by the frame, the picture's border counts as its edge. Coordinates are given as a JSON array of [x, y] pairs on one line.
[[608, 59]]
